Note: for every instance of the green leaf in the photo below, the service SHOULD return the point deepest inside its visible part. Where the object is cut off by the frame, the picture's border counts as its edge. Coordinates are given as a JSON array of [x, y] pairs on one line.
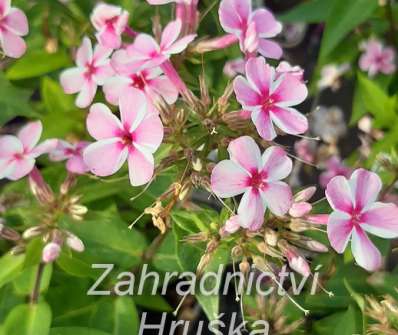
[[166, 258], [76, 331], [37, 63], [117, 316], [153, 302], [71, 264], [28, 319], [13, 101], [25, 282], [314, 11], [343, 18], [10, 267], [108, 240], [377, 102]]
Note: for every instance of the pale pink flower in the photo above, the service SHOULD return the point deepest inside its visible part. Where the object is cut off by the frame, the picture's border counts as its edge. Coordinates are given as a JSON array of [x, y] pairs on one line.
[[150, 81], [73, 154], [18, 153], [252, 28], [285, 67], [13, 25], [51, 252], [231, 226], [145, 52], [334, 167], [234, 67], [306, 150], [134, 138], [110, 22], [355, 212], [377, 58], [257, 177], [331, 76], [93, 68], [271, 99]]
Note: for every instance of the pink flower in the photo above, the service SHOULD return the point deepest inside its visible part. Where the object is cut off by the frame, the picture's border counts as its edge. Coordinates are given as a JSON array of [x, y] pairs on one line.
[[253, 28], [301, 206], [51, 252], [234, 67], [18, 153], [231, 226], [355, 212], [13, 25], [145, 52], [297, 262], [377, 58], [306, 150], [285, 67], [334, 167], [110, 22], [73, 153], [270, 99], [135, 138], [93, 68], [150, 81], [257, 177]]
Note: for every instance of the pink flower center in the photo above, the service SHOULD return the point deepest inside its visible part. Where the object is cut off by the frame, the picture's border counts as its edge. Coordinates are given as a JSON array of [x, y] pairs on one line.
[[127, 139], [91, 69], [268, 103], [138, 81], [356, 217], [258, 180], [18, 156]]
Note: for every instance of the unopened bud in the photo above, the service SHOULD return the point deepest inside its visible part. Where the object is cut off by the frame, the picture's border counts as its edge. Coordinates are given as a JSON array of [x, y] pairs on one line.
[[51, 252], [271, 237], [204, 261], [67, 184], [297, 262], [316, 246], [33, 232], [74, 243], [299, 209], [236, 251], [244, 266], [9, 233], [305, 195], [40, 188], [78, 210]]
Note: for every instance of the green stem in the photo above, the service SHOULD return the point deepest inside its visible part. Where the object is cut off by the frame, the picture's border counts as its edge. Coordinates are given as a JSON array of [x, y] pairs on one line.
[[34, 297]]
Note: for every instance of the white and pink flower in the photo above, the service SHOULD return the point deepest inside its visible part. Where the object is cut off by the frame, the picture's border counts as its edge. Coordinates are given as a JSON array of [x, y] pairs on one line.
[[13, 25], [355, 212], [110, 22], [270, 99], [93, 68], [152, 82], [18, 153], [255, 176], [73, 154], [334, 167], [252, 28], [134, 138], [377, 58]]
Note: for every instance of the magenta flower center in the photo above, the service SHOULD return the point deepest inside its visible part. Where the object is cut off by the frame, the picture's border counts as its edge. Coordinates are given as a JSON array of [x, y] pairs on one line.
[[127, 139], [258, 180], [356, 217], [138, 81], [268, 103], [91, 69]]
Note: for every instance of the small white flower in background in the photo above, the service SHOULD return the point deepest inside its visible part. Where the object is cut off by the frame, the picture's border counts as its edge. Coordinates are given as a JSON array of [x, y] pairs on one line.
[[328, 123], [331, 76]]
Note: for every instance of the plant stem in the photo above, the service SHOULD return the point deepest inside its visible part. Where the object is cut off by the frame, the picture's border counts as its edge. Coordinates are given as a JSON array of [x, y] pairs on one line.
[[34, 297], [391, 20]]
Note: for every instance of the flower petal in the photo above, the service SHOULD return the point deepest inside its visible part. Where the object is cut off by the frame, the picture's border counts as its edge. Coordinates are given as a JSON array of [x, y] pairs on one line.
[[86, 95], [9, 146], [6, 168], [289, 120], [44, 147], [102, 123], [84, 54], [170, 34], [228, 179], [381, 220], [22, 167], [339, 230], [245, 152], [30, 134], [266, 24], [270, 49], [364, 251], [76, 165], [245, 94], [234, 15], [278, 197], [17, 22], [276, 163], [149, 133], [165, 88], [5, 6], [251, 210], [180, 45], [72, 80], [365, 187], [260, 75], [105, 157], [263, 123], [338, 194], [133, 108], [114, 87], [13, 45], [141, 167], [290, 91]]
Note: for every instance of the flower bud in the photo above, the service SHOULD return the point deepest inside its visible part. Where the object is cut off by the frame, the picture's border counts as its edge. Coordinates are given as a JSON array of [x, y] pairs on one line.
[[299, 209], [232, 225], [316, 246], [74, 243], [271, 237], [51, 252], [33, 232], [305, 195], [9, 233], [40, 188], [297, 262]]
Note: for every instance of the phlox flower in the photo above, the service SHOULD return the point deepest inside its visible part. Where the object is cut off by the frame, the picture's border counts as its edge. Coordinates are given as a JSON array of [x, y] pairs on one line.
[[355, 212], [255, 176], [270, 100], [134, 138], [285, 67], [145, 52], [152, 82], [73, 154], [234, 67], [331, 76], [13, 25], [93, 68], [252, 28], [377, 58], [334, 167], [18, 153], [110, 21]]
